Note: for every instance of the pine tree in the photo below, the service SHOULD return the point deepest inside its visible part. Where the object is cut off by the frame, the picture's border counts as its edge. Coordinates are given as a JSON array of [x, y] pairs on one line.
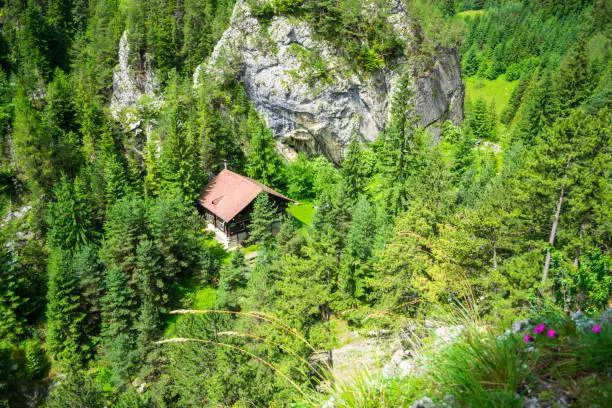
[[263, 161], [463, 155], [118, 305], [560, 161], [264, 215], [65, 318], [33, 148], [352, 170], [152, 178], [470, 62], [77, 389], [480, 121], [173, 226], [124, 227], [399, 156], [69, 218], [232, 280], [541, 111], [178, 158], [149, 274], [11, 323], [88, 272], [119, 311], [574, 78], [358, 249], [115, 174]]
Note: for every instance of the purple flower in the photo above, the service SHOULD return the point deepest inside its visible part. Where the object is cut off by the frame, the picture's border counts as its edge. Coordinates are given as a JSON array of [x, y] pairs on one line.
[[527, 338], [539, 329], [596, 329], [552, 333]]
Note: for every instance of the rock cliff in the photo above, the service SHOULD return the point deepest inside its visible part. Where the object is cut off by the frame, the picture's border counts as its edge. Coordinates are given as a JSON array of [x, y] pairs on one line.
[[129, 86], [316, 109]]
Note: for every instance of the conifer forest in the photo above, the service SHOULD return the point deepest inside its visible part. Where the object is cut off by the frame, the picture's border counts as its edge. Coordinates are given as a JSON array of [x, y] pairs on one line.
[[306, 203]]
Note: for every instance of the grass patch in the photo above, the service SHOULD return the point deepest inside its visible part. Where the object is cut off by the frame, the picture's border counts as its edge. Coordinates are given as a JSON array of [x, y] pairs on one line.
[[471, 13], [302, 212], [250, 249], [205, 298], [202, 298], [498, 90]]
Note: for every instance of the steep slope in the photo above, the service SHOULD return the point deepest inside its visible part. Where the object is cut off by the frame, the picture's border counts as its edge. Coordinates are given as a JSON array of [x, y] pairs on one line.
[[309, 95]]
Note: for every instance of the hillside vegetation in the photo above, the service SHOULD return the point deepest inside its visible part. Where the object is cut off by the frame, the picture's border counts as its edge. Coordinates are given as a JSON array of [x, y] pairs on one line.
[[112, 292]]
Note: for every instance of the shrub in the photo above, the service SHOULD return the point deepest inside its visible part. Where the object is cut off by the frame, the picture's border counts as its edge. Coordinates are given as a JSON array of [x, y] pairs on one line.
[[482, 371]]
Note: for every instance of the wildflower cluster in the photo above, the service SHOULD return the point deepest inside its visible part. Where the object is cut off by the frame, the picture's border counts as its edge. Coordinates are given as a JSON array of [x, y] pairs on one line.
[[541, 328]]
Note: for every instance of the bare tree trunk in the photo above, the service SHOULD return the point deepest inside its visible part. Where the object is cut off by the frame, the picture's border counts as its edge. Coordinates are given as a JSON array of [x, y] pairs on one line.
[[553, 233], [578, 250]]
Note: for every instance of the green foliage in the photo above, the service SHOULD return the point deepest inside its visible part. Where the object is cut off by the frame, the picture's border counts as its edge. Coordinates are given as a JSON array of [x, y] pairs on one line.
[[367, 39], [352, 170], [480, 370], [66, 342], [36, 364], [178, 164], [232, 279], [119, 310], [263, 161], [590, 284], [358, 250], [112, 241], [481, 122], [263, 217], [369, 390], [76, 389], [11, 281], [300, 175], [398, 156], [69, 217]]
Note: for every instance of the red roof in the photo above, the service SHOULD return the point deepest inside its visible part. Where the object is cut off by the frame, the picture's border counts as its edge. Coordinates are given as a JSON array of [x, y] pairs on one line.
[[229, 193]]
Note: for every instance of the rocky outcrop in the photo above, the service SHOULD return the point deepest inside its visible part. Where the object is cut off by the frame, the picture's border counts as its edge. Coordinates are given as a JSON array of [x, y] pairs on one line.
[[307, 92], [130, 84]]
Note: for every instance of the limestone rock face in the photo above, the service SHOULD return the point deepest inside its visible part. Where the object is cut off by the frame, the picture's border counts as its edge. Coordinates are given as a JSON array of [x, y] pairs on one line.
[[130, 84], [311, 98]]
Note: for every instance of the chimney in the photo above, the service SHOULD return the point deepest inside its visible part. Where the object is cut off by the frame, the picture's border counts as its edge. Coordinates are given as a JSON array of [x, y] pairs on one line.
[[225, 164]]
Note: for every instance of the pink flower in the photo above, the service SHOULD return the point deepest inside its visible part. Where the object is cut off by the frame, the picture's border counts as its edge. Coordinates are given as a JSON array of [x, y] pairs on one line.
[[539, 329], [552, 333], [527, 338], [596, 329]]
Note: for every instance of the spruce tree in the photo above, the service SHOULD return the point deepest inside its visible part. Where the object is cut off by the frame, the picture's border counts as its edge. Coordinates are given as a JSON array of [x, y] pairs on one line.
[[65, 318], [480, 121], [124, 227], [149, 275], [541, 111], [119, 311], [89, 274], [69, 218], [263, 216], [263, 161], [352, 170], [118, 305], [399, 156], [77, 390], [11, 280], [178, 163], [574, 78], [358, 249], [232, 280]]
